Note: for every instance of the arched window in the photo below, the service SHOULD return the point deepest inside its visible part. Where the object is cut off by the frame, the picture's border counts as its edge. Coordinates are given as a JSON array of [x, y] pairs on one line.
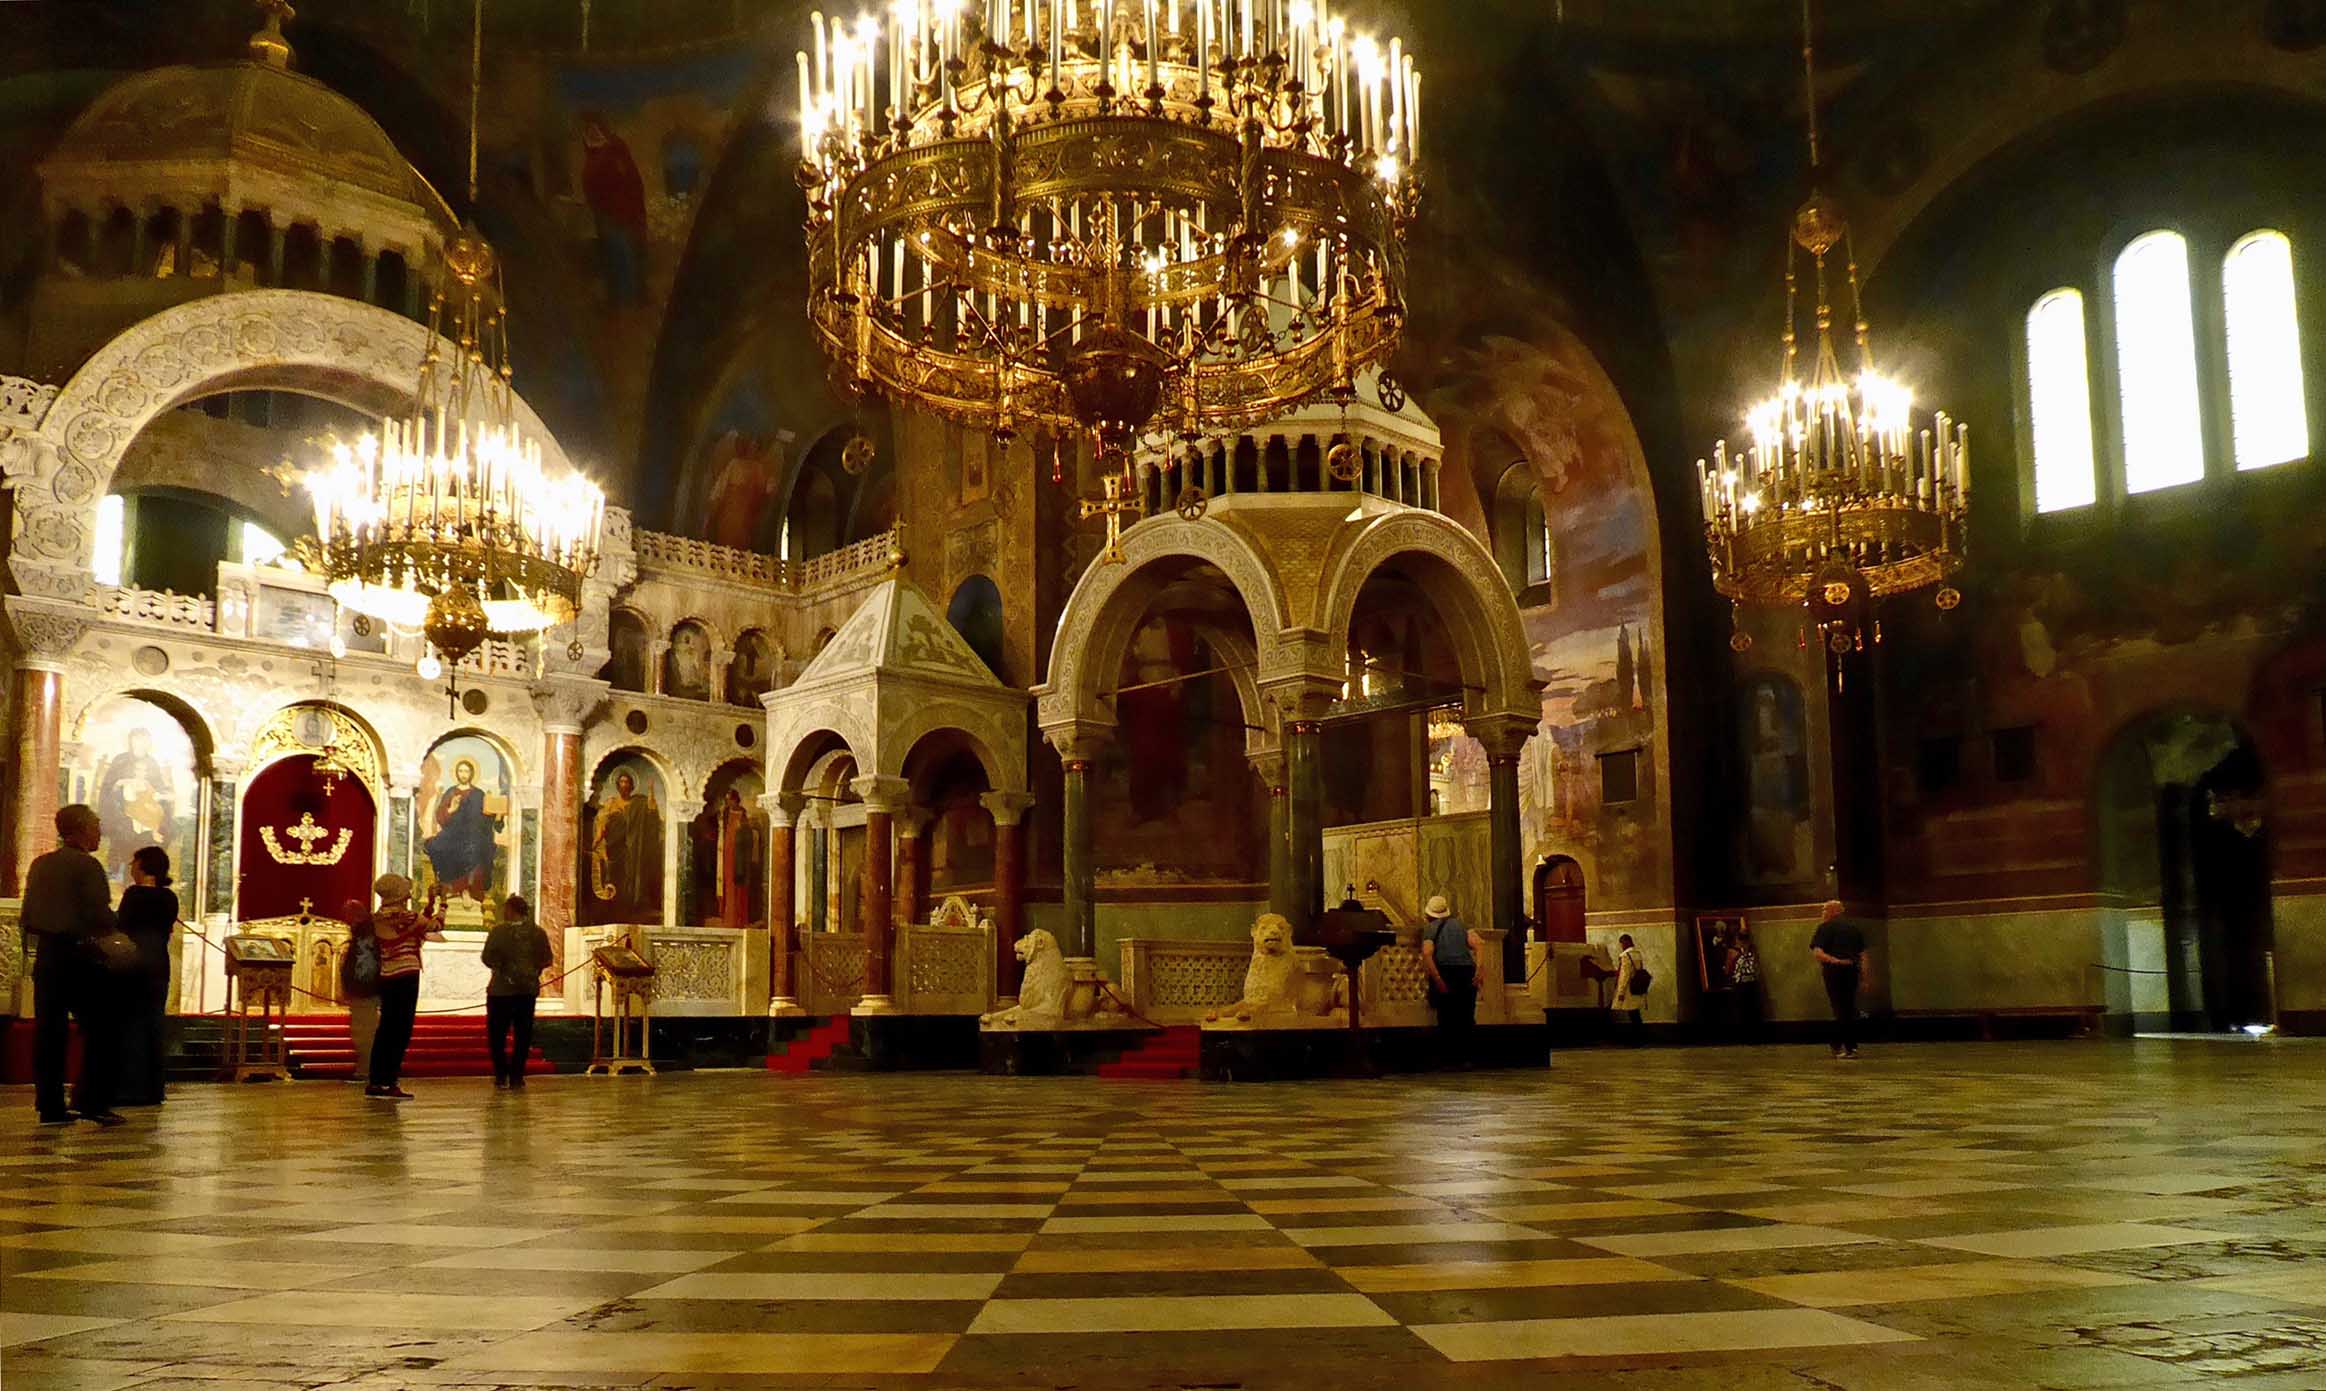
[[2059, 392], [2156, 365], [2269, 424], [1521, 532]]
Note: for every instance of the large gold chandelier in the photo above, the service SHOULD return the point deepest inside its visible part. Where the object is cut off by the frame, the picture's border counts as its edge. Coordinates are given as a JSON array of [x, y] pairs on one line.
[[1106, 217], [1837, 501], [444, 519]]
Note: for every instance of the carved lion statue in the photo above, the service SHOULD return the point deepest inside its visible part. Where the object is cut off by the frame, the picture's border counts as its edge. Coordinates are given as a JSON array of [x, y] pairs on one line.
[[1268, 981], [1042, 987]]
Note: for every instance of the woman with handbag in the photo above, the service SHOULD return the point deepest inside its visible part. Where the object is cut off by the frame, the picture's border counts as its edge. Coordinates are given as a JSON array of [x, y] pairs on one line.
[[359, 985], [148, 915], [1631, 983]]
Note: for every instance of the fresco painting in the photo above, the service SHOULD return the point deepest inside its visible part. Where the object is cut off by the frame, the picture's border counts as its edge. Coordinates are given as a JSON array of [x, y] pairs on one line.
[[138, 770], [465, 830], [621, 872], [1173, 796]]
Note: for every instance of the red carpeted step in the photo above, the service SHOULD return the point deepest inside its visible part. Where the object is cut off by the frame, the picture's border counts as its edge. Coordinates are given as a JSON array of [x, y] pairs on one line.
[[817, 1044], [454, 1045], [1173, 1053]]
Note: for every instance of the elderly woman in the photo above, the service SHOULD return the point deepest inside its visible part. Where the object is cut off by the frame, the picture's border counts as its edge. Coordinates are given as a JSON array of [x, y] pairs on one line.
[[399, 932]]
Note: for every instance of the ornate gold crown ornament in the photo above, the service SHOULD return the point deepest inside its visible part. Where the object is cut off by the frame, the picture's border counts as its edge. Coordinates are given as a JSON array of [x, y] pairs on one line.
[[1106, 217], [1838, 501]]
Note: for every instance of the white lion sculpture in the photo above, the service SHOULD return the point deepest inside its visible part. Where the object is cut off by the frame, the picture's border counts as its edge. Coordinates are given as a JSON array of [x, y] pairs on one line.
[[1269, 987], [1042, 988]]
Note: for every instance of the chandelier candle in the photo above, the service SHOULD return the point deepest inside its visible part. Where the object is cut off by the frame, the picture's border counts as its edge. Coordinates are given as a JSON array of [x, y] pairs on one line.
[[1115, 220]]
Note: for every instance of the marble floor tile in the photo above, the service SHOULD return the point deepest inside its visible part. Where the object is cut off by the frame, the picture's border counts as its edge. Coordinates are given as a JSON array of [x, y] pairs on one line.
[[1764, 1238], [1645, 1334], [1488, 1275], [207, 1271], [1905, 1284], [17, 1328], [887, 1285], [2074, 1241], [1181, 1314], [695, 1354], [367, 1309], [1402, 1234], [644, 1260]]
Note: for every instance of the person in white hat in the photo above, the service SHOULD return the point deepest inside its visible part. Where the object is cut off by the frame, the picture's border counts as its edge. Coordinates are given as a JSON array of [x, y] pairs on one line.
[[1449, 955]]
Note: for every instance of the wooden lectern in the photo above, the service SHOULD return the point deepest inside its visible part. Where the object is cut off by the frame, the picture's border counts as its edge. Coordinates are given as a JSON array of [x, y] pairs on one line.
[[617, 969], [258, 991]]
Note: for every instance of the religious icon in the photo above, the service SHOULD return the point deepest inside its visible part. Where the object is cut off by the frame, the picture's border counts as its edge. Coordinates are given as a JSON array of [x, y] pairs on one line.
[[752, 673], [623, 873], [687, 670], [464, 825], [625, 667], [141, 780], [617, 200]]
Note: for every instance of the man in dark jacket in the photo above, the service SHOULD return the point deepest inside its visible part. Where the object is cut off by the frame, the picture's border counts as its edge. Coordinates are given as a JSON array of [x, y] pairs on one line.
[[67, 905], [516, 952]]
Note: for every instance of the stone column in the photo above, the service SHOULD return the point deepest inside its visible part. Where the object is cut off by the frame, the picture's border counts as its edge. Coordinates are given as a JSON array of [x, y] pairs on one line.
[[218, 853], [783, 812], [1076, 748], [1504, 738], [399, 847], [45, 634], [564, 703], [819, 871], [655, 652], [1009, 884], [882, 797], [912, 825]]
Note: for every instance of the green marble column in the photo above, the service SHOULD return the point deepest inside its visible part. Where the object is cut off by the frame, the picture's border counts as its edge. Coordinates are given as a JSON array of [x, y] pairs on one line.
[[1304, 824], [400, 833], [1081, 876], [218, 855], [529, 855], [819, 872], [1502, 859]]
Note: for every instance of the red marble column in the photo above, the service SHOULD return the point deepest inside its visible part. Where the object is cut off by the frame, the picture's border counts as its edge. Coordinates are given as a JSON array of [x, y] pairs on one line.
[[879, 905], [1009, 884], [32, 799], [561, 752], [910, 866], [780, 839]]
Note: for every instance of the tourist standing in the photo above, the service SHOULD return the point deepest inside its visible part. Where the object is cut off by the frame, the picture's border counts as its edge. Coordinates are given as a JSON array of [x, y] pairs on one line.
[[1449, 956], [1631, 984], [399, 931], [1744, 974], [359, 985], [149, 914], [516, 952], [67, 906], [1840, 948]]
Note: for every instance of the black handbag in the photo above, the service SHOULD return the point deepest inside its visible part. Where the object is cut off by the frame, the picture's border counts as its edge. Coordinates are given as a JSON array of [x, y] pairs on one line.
[[1640, 981], [115, 951]]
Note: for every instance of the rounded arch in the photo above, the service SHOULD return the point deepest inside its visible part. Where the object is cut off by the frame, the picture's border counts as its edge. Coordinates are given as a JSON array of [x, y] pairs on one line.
[[687, 660], [932, 726], [287, 732], [662, 766], [1460, 579], [1109, 601], [809, 761], [176, 707], [500, 745], [629, 649], [296, 340], [725, 772]]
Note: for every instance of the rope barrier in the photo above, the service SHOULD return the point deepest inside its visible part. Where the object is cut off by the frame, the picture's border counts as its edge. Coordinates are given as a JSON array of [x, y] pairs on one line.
[[2127, 970], [335, 1000]]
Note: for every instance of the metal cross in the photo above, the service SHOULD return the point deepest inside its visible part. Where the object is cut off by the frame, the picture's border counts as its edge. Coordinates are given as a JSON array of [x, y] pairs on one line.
[[307, 832], [1114, 507]]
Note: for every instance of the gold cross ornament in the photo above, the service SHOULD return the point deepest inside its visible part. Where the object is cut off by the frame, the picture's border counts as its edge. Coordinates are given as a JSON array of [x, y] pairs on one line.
[[1117, 504]]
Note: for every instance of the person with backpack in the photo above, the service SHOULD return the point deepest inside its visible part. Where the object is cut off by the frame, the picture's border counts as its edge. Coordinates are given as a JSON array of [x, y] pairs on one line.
[[359, 985], [1449, 956], [1631, 983], [399, 932], [516, 952]]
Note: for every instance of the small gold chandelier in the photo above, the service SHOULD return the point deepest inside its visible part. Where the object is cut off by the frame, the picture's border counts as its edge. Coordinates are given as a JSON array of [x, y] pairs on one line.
[[1838, 501], [1106, 217], [444, 519]]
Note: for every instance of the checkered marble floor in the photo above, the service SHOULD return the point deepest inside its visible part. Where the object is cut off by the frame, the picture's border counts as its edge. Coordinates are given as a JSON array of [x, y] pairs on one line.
[[2002, 1216]]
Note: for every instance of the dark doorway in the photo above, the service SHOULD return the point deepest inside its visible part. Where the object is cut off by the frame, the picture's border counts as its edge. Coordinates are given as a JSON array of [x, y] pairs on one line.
[[2184, 827], [1559, 900]]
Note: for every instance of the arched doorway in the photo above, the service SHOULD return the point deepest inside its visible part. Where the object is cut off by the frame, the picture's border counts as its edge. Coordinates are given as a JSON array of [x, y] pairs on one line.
[[727, 851], [2184, 836], [306, 842], [1559, 904]]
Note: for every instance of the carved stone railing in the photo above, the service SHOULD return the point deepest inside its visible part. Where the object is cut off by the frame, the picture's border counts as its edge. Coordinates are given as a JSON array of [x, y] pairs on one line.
[[160, 607], [501, 657], [11, 956], [1397, 988], [862, 560], [661, 550], [944, 970], [697, 970], [1179, 981], [829, 974]]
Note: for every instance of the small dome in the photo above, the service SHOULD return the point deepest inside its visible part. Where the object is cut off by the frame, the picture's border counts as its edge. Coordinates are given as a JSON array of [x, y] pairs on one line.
[[252, 131]]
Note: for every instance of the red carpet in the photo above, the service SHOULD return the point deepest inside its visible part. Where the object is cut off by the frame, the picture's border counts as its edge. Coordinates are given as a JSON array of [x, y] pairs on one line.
[[443, 1045], [812, 1047], [1171, 1053]]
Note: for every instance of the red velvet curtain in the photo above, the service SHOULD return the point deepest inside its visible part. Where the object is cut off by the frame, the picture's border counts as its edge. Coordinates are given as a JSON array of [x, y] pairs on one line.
[[285, 863]]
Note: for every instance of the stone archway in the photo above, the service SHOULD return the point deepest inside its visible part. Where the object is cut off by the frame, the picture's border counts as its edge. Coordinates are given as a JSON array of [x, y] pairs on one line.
[[295, 340], [1462, 581]]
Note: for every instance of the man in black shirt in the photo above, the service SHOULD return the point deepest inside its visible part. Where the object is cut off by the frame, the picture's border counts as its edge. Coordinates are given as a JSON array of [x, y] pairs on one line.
[[67, 905], [1840, 948]]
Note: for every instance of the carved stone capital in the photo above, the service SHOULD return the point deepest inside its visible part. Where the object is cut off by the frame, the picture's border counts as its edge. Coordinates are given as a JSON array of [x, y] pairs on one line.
[[683, 809], [565, 703], [911, 822], [783, 808], [1503, 735], [1302, 695], [1078, 741], [45, 630], [880, 794], [1007, 808]]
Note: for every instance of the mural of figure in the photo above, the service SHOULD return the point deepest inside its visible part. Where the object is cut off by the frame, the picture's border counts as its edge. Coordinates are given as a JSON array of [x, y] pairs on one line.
[[743, 471], [136, 803], [625, 850], [751, 673], [1776, 782], [617, 199], [687, 670], [625, 667], [462, 850]]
